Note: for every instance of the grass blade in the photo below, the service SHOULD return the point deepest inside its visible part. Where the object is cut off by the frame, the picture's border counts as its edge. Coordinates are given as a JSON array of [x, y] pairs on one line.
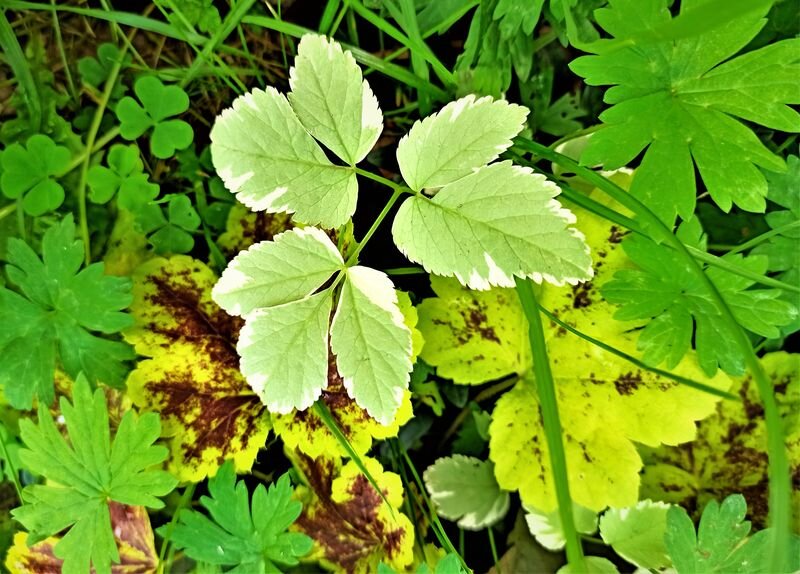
[[19, 64]]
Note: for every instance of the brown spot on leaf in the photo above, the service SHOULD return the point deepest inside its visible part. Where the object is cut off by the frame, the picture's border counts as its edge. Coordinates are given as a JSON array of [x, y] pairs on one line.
[[628, 383]]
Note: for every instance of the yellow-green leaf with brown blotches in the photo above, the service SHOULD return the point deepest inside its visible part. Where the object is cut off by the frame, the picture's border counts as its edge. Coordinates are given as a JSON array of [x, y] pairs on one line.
[[352, 527], [245, 228], [191, 377], [132, 534], [730, 453], [305, 430]]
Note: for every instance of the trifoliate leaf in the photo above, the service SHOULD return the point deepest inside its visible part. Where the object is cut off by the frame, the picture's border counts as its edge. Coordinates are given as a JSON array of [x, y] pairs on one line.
[[372, 343], [30, 173], [352, 527], [91, 470], [200, 13], [95, 71], [681, 98], [722, 528], [547, 529], [730, 453], [267, 158], [305, 430], [290, 267], [52, 319], [637, 533], [473, 336], [191, 377], [666, 290], [284, 351], [332, 100], [133, 538], [463, 136], [158, 103], [174, 234], [497, 223], [464, 489], [124, 174], [249, 534]]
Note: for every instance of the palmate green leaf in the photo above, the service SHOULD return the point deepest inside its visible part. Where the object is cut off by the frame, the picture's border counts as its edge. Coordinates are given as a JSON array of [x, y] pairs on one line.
[[720, 543], [284, 351], [497, 223], [248, 534], [372, 343], [332, 100], [89, 470], [637, 533], [53, 318], [463, 488], [665, 289], [680, 100], [463, 136], [269, 273]]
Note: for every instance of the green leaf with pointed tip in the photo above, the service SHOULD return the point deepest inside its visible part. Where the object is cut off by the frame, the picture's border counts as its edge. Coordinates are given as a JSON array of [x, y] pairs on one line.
[[267, 158], [499, 222], [86, 473], [463, 488], [29, 173], [372, 343], [681, 99], [284, 351], [236, 531], [292, 266], [463, 136], [636, 533], [332, 100]]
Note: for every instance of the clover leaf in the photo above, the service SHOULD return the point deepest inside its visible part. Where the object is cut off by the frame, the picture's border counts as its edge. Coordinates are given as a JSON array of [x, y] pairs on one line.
[[237, 530], [95, 71], [54, 317], [86, 473], [158, 102], [124, 174], [30, 172], [173, 234]]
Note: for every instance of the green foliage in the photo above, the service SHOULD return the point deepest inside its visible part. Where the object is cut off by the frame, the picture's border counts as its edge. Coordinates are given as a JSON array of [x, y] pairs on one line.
[[173, 234], [95, 71], [249, 534], [680, 98], [665, 290], [463, 488], [52, 320], [200, 13], [720, 543], [124, 176], [637, 533], [158, 104], [89, 471], [30, 173]]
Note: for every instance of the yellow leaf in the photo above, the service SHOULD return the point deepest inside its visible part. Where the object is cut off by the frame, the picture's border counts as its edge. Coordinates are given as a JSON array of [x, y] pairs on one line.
[[127, 248], [132, 533], [208, 412], [352, 527], [245, 227]]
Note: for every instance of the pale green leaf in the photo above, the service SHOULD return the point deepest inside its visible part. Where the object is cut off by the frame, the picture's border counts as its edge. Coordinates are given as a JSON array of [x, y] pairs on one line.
[[332, 100], [463, 136], [372, 343], [267, 158], [637, 533], [284, 351], [463, 488], [594, 565], [499, 222], [292, 266], [547, 529]]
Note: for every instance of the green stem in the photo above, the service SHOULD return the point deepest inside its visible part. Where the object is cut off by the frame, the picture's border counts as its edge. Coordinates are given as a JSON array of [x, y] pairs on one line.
[[759, 239], [13, 470], [90, 142], [493, 548], [353, 259], [780, 508], [21, 229], [7, 210], [634, 361], [64, 61], [405, 271], [186, 497], [545, 388], [382, 180]]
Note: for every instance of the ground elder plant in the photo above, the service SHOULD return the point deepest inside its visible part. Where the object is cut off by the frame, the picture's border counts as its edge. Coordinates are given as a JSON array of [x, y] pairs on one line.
[[400, 286]]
